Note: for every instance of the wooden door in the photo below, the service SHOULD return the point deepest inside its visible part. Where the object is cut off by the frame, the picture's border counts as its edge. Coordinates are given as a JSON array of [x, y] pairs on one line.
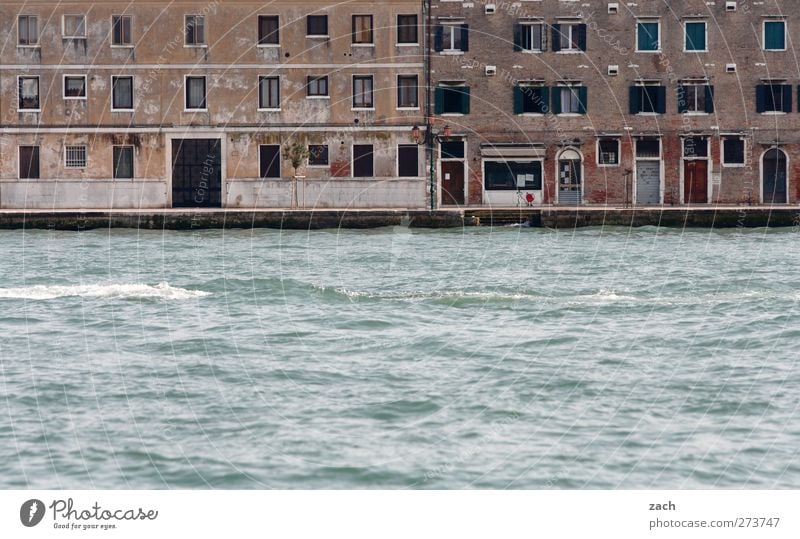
[[695, 182], [452, 183]]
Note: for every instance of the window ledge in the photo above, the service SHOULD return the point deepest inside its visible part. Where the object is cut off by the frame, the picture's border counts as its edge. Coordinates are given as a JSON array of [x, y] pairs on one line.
[[734, 165], [123, 110], [185, 46], [122, 46], [29, 110], [362, 109], [318, 36], [269, 110], [570, 51], [648, 114], [192, 111], [451, 114], [269, 45], [74, 98], [649, 52], [599, 165], [406, 44], [774, 113], [570, 114], [318, 97], [29, 46], [407, 109], [451, 52], [364, 45]]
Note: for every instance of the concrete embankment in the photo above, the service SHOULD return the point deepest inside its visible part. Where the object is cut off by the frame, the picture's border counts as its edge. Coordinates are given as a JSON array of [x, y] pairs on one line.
[[549, 217]]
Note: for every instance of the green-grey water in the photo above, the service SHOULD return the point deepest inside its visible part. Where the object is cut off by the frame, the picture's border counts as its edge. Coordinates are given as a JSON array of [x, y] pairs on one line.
[[398, 358]]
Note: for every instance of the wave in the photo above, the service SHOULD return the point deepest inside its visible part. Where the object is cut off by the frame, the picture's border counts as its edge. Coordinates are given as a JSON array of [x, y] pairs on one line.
[[120, 291]]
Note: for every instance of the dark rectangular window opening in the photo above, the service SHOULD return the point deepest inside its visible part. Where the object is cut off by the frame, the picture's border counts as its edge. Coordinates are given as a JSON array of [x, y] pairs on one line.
[[408, 161], [29, 162], [362, 29], [608, 152], [122, 93], [121, 35], [648, 148], [195, 30], [512, 175], [123, 162], [317, 86], [74, 86], [363, 92], [454, 99], [270, 161], [268, 30], [452, 149], [196, 93], [318, 155], [29, 93], [363, 165], [407, 91], [733, 151], [28, 30], [695, 147], [317, 25], [407, 29], [269, 93]]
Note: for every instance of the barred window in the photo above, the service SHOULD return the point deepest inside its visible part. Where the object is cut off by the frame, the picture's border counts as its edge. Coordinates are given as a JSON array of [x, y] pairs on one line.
[[75, 156]]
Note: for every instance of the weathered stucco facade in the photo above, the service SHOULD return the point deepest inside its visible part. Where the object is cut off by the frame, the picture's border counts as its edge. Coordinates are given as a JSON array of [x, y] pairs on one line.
[[116, 74], [630, 132]]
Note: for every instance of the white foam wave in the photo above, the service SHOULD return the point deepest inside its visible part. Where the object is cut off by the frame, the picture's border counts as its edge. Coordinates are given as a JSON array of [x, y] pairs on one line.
[[121, 291]]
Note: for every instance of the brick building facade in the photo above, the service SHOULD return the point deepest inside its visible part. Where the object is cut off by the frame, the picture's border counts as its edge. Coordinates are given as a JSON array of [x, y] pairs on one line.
[[597, 102]]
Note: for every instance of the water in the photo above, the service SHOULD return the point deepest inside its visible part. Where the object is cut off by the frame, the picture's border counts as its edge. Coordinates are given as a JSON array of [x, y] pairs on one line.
[[397, 358]]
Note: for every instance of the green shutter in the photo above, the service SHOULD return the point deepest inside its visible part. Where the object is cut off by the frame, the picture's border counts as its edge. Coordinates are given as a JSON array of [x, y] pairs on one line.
[[695, 36], [544, 99], [774, 35], [465, 100], [761, 98], [635, 103], [661, 100], [519, 100], [518, 37], [647, 33], [556, 106], [787, 97], [582, 96], [439, 101], [709, 99], [556, 37]]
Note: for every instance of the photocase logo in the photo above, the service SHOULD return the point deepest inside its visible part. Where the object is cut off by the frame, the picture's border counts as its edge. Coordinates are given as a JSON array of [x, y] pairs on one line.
[[31, 513]]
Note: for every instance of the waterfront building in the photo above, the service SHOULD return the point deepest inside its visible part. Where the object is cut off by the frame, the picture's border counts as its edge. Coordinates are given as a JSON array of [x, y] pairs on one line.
[[121, 104]]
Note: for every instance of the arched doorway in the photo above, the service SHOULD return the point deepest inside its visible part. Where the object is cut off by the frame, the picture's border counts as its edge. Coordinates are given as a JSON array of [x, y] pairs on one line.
[[774, 176], [570, 177]]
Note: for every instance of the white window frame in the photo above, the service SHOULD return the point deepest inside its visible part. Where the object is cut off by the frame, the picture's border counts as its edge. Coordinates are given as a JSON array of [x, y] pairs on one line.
[[38, 43], [258, 83], [67, 148], [693, 110], [619, 150], [186, 93], [722, 151], [420, 159], [573, 90], [527, 25], [188, 45], [397, 93], [685, 35], [371, 93], [764, 35], [64, 87], [568, 35], [133, 92], [19, 97], [258, 30], [133, 162], [449, 48], [125, 46], [327, 87], [329, 156], [660, 36], [64, 26]]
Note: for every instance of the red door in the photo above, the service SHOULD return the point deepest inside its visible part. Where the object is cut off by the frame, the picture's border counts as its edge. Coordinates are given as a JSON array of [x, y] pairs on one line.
[[452, 183], [695, 182]]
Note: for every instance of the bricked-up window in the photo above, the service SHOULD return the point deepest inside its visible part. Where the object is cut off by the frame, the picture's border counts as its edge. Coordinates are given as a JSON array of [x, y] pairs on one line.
[[695, 98], [608, 152], [774, 38], [529, 37], [73, 27], [74, 86], [733, 151], [75, 156], [407, 92], [695, 36], [569, 37], [269, 93], [776, 97], [317, 25], [123, 162], [317, 86], [268, 30], [362, 29], [569, 100], [408, 160], [452, 99], [531, 99], [648, 99], [121, 34], [407, 29], [648, 36], [29, 162], [122, 93], [318, 155], [363, 157], [512, 175], [28, 30], [195, 28], [29, 93], [695, 147], [196, 93], [270, 160], [363, 92], [451, 38]]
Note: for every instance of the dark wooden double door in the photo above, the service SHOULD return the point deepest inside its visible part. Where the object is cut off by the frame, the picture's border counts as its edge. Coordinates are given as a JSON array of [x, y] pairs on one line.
[[196, 173], [695, 181], [452, 183]]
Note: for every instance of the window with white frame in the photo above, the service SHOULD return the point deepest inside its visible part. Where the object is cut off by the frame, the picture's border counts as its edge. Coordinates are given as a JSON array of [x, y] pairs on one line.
[[73, 27], [451, 38], [123, 162], [121, 33], [28, 30], [196, 93], [648, 36], [774, 38], [608, 152], [74, 86], [75, 156], [195, 30], [529, 37], [29, 93], [269, 93], [407, 92], [317, 86], [363, 92], [122, 93]]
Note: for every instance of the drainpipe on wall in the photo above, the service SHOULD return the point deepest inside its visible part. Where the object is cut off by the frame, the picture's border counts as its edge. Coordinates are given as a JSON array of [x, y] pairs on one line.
[[426, 8]]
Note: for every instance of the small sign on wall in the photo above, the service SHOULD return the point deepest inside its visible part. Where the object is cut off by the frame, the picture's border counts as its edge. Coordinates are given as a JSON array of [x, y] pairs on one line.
[[716, 178]]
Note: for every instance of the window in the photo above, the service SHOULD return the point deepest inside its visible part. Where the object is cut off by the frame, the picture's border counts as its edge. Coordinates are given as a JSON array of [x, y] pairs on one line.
[[529, 37], [569, 37], [363, 92], [775, 97], [695, 36], [29, 162], [733, 151], [531, 99], [695, 147], [74, 86], [268, 30], [269, 93], [408, 161], [452, 149], [317, 87], [73, 27], [608, 152], [121, 31], [512, 175], [452, 99], [569, 100], [363, 166], [123, 162], [451, 38], [270, 160], [28, 30], [648, 36], [648, 148], [122, 93], [196, 93], [774, 35], [29, 93], [696, 98], [362, 29], [407, 29], [195, 27], [317, 25], [75, 156], [648, 99], [407, 92], [317, 155]]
